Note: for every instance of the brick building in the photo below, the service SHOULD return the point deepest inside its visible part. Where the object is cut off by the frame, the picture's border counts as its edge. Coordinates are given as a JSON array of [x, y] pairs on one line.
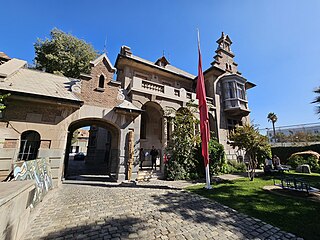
[[124, 115]]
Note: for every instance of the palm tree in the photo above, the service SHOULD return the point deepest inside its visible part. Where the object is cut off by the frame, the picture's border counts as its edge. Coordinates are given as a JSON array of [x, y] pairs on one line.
[[273, 118], [317, 99]]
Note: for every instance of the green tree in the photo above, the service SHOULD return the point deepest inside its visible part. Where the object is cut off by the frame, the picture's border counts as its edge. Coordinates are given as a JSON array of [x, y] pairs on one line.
[[248, 138], [216, 156], [63, 54], [182, 147], [2, 105], [272, 117]]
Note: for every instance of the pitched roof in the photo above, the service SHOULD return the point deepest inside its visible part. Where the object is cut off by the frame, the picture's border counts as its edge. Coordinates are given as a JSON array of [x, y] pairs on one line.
[[125, 52], [10, 67], [168, 68], [4, 56], [100, 58], [39, 83]]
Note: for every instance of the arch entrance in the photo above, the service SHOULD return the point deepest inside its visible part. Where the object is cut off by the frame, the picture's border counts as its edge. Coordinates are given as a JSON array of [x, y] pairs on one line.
[[151, 132], [92, 149]]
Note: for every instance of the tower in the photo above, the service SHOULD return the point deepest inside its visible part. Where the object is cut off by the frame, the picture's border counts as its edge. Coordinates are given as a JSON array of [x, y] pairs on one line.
[[224, 56]]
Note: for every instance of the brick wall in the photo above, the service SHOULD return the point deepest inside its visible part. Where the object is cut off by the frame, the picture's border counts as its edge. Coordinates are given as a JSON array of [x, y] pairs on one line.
[[91, 94], [10, 143]]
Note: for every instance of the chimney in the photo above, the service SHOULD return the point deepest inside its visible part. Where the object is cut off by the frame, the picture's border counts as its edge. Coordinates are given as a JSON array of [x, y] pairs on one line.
[[126, 51]]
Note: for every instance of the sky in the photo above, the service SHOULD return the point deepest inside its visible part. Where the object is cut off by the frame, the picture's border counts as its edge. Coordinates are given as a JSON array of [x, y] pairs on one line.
[[276, 43]]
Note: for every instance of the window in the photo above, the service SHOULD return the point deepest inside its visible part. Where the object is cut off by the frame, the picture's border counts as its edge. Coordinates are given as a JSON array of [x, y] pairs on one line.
[[235, 90], [230, 90], [29, 145], [241, 91], [101, 81]]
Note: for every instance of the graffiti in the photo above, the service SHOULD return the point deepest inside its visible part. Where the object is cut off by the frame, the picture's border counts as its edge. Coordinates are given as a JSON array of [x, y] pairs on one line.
[[38, 170]]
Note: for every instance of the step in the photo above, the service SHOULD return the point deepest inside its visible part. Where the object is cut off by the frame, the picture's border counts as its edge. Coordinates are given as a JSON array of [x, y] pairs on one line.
[[147, 175]]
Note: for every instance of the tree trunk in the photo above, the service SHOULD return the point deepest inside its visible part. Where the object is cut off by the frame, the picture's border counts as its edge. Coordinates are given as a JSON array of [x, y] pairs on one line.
[[252, 167], [274, 132]]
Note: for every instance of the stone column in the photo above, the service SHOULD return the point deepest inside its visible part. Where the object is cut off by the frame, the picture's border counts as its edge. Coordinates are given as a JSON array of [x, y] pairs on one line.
[[130, 152], [164, 141]]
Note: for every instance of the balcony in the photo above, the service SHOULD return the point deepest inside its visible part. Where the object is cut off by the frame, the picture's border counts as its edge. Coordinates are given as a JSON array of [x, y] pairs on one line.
[[236, 107], [167, 92]]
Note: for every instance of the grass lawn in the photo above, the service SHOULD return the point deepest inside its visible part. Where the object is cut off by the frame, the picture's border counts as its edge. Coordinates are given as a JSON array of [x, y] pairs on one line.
[[298, 215]]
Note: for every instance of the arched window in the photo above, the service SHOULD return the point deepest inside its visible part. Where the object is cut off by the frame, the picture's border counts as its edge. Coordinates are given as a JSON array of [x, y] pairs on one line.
[[29, 145], [101, 81]]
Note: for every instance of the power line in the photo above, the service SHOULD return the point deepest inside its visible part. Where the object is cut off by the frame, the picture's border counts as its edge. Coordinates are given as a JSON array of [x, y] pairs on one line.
[[292, 126]]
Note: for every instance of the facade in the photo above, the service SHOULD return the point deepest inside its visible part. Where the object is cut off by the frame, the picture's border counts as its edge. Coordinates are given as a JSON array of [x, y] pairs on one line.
[[124, 115]]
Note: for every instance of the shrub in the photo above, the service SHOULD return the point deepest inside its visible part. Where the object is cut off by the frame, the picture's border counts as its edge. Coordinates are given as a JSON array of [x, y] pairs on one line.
[[238, 167], [174, 171], [312, 161], [296, 160], [216, 156]]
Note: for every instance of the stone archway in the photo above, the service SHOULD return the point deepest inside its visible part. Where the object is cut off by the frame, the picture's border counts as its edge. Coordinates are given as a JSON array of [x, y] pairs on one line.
[[102, 149], [151, 130]]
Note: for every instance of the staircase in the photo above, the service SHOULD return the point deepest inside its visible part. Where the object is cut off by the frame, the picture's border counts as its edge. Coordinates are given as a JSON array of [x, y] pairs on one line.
[[148, 174]]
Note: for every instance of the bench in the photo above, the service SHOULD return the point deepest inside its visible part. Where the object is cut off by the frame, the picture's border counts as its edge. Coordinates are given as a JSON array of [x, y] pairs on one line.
[[295, 184], [271, 171]]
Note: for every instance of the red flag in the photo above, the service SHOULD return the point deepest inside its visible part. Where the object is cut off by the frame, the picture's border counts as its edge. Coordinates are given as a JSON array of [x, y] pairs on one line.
[[204, 117]]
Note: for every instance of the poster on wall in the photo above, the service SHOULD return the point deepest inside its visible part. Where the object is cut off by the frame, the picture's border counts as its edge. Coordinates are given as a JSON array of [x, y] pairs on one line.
[[38, 170]]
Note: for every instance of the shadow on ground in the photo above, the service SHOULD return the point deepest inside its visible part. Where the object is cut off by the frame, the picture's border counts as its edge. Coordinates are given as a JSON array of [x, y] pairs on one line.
[[124, 228]]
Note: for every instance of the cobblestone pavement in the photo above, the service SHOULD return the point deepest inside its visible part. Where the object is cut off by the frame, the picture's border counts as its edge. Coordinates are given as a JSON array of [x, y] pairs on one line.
[[154, 210]]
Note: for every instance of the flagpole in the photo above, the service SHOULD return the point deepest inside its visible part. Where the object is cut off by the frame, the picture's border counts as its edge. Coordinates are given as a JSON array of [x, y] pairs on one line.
[[208, 184], [206, 123]]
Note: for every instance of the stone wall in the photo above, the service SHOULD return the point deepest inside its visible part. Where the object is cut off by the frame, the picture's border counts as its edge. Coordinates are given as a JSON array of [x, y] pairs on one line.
[[15, 208]]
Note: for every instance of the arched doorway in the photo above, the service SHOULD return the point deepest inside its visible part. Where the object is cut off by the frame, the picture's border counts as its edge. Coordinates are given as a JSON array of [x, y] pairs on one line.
[[99, 157], [151, 131], [29, 145]]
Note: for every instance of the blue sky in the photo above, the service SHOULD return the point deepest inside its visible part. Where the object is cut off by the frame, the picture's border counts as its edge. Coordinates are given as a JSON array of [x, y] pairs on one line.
[[276, 43]]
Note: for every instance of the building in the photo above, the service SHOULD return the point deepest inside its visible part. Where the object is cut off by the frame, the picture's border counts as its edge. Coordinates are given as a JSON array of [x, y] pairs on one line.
[[44, 110], [80, 141], [296, 133]]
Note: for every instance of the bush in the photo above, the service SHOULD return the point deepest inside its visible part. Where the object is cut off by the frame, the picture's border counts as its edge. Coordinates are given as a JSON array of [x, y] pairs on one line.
[[216, 156], [238, 167], [312, 161], [174, 171], [227, 168], [295, 161]]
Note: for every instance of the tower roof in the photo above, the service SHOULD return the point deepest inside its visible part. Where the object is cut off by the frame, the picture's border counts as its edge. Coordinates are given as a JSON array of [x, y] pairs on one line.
[[162, 61], [224, 38]]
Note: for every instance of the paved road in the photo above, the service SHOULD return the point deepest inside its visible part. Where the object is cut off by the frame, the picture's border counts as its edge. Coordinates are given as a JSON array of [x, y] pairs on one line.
[[144, 211]]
